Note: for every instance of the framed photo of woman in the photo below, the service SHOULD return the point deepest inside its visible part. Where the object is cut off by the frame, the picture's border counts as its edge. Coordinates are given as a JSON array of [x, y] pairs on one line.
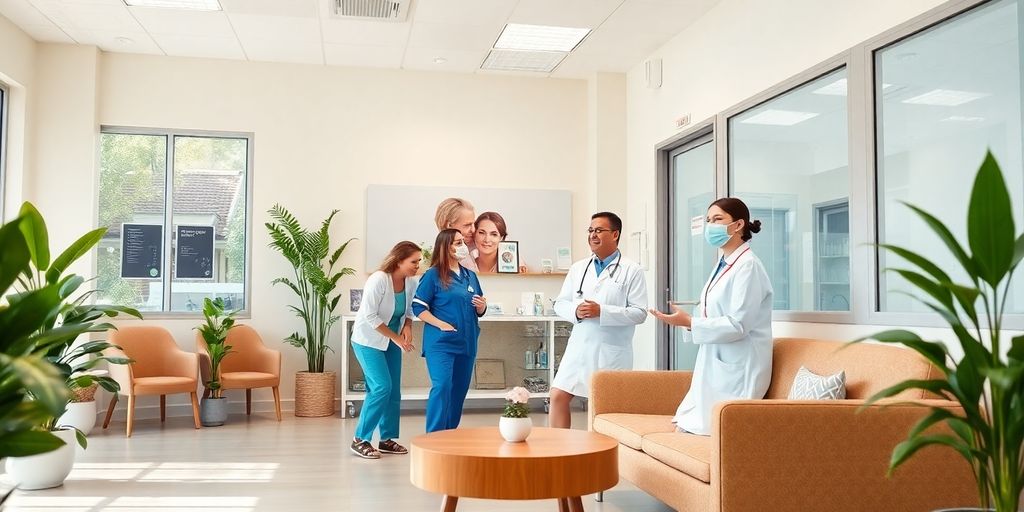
[[508, 257]]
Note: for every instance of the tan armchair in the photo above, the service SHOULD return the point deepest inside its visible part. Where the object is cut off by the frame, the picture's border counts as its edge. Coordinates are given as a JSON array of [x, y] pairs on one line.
[[249, 365], [160, 368]]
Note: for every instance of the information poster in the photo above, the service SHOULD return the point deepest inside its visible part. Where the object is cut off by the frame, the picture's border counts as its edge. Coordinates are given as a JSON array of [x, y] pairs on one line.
[[141, 250], [194, 255]]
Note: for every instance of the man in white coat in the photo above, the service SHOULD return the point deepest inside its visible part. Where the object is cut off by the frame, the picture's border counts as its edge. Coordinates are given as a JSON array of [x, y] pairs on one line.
[[605, 296]]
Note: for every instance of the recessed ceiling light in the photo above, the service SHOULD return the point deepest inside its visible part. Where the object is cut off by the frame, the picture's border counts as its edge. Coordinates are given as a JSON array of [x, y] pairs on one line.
[[515, 60], [945, 98], [779, 117], [124, 41], [196, 5], [440, 60], [540, 37], [965, 119]]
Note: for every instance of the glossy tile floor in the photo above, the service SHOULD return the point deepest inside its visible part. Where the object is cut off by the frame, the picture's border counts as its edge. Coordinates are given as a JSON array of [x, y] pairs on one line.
[[257, 464]]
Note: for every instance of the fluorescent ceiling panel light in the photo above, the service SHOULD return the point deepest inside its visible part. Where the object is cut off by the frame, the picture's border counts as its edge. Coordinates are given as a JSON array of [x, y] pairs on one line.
[[540, 37], [965, 119], [779, 117], [194, 5], [838, 88], [945, 98], [515, 60]]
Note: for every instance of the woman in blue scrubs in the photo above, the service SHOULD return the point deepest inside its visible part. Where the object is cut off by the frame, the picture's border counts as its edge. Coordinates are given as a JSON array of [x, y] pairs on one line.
[[450, 302]]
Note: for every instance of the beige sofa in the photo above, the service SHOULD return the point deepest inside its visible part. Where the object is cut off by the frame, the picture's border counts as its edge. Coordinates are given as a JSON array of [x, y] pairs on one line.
[[781, 455]]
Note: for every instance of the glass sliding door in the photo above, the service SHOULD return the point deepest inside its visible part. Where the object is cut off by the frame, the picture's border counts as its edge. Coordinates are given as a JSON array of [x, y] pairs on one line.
[[691, 190]]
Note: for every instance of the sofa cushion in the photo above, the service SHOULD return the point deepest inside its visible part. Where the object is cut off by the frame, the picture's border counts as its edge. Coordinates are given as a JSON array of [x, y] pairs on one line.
[[811, 386], [629, 429], [688, 453]]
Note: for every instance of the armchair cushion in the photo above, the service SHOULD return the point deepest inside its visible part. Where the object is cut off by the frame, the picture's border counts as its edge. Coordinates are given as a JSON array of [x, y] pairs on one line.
[[811, 386], [688, 453], [629, 429], [163, 385], [248, 380]]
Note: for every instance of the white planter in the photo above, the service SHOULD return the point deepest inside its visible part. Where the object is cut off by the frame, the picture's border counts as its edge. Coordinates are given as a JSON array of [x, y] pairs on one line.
[[515, 430], [46, 469], [81, 415]]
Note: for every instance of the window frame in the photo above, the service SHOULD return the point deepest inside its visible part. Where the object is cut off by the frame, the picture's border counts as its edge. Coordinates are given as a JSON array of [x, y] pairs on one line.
[[168, 217], [5, 102]]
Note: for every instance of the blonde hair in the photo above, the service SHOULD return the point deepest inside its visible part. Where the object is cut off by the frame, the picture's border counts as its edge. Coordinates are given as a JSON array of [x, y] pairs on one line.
[[448, 211]]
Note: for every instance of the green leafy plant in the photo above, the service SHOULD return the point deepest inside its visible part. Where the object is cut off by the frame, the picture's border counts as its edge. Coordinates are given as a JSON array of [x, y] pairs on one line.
[[427, 249], [988, 386], [215, 334], [315, 280], [73, 362]]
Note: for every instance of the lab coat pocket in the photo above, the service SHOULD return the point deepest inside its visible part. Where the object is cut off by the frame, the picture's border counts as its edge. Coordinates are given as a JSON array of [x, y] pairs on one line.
[[615, 357], [726, 378], [612, 293]]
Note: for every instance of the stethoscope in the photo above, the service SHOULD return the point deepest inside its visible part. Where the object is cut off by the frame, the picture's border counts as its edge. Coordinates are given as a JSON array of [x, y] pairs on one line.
[[579, 291]]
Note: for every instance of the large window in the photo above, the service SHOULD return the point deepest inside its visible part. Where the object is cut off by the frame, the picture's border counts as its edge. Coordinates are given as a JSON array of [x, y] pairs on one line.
[[788, 160], [942, 97], [3, 147], [176, 208]]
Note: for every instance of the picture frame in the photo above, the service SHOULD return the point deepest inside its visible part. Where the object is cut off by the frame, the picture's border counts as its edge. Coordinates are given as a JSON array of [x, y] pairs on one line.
[[508, 257], [489, 374]]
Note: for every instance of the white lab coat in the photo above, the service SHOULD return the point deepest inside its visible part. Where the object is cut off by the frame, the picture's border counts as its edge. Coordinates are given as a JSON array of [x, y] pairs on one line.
[[605, 342], [377, 308], [733, 328]]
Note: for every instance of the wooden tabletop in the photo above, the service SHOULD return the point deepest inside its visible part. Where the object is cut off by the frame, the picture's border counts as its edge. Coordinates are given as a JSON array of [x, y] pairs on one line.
[[478, 463]]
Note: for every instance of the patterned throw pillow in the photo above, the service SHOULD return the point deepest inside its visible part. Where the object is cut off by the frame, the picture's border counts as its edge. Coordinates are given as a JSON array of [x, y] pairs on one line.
[[808, 386]]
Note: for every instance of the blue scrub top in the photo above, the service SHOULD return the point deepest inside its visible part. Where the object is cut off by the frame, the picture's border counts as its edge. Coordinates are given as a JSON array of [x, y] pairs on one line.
[[453, 305]]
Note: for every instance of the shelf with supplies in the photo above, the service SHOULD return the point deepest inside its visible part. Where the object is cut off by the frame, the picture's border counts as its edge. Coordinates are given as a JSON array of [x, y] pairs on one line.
[[505, 343]]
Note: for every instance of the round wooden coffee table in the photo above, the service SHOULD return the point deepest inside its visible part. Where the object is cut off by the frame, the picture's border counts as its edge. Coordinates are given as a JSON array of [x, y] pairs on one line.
[[553, 463]]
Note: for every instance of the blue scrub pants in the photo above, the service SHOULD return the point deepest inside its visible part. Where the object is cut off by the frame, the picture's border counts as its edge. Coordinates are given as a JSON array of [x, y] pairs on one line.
[[381, 408], [450, 375]]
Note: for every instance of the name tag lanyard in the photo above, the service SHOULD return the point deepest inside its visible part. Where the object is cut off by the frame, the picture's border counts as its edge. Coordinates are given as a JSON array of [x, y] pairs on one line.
[[720, 277]]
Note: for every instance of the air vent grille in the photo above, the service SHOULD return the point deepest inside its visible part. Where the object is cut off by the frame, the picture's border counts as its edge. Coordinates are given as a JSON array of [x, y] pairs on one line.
[[381, 10]]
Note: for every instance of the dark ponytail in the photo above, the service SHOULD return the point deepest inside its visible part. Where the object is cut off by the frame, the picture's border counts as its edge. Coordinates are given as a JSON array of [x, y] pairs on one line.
[[739, 211]]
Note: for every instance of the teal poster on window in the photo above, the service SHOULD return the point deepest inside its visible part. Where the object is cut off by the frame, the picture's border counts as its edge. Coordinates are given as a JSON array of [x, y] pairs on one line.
[[141, 250], [193, 258]]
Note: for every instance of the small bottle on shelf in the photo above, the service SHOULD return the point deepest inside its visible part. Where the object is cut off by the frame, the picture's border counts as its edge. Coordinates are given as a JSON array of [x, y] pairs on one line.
[[528, 361], [542, 357]]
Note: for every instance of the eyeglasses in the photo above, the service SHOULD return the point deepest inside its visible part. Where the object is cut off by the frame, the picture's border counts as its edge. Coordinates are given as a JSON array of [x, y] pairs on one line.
[[598, 231]]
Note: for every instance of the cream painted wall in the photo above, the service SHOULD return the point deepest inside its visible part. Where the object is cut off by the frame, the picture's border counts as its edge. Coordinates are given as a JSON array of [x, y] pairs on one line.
[[736, 50], [17, 73], [321, 136]]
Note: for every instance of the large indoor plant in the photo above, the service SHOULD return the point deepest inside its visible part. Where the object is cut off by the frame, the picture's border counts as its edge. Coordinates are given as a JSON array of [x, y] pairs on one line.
[[213, 410], [315, 283], [987, 384]]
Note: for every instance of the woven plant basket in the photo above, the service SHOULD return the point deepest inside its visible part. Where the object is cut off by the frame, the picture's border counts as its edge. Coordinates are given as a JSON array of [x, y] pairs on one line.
[[87, 394], [314, 394]]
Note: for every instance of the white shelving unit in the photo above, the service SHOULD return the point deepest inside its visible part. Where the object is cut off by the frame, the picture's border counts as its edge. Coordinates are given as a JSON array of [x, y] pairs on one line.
[[348, 396]]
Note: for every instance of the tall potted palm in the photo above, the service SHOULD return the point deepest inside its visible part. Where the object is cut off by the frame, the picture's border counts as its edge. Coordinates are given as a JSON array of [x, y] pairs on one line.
[[213, 411], [988, 385], [315, 283]]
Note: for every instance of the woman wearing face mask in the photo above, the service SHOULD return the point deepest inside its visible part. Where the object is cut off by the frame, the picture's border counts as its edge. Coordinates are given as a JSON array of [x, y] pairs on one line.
[[732, 324], [449, 300]]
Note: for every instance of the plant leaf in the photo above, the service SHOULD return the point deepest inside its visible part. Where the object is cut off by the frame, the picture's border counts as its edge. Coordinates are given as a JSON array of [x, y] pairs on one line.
[[23, 444], [947, 238], [15, 256], [934, 352], [34, 228], [76, 250], [904, 450], [990, 230]]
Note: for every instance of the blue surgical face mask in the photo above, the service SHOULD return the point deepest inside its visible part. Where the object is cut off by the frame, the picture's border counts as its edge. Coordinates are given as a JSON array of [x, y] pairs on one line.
[[717, 234]]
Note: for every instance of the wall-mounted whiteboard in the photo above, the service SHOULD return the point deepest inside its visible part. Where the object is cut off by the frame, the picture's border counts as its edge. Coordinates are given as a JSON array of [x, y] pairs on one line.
[[540, 220]]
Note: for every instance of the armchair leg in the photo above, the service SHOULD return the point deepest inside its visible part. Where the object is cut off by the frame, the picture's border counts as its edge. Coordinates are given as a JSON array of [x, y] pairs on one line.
[[195, 408], [599, 497], [110, 410], [277, 402], [163, 408], [248, 402], [131, 415]]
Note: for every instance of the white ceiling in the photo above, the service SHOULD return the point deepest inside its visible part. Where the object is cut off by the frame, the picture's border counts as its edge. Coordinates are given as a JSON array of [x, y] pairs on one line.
[[303, 31]]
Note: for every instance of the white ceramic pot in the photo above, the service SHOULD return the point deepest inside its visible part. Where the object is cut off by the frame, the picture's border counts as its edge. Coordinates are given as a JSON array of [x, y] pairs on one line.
[[45, 470], [515, 430], [81, 415]]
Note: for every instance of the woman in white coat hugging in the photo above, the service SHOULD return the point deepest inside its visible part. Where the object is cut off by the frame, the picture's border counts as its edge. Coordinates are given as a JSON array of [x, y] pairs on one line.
[[382, 331], [732, 324]]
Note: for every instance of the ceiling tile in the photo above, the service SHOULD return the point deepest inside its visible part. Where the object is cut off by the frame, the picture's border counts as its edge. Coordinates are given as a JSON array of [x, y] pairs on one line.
[[452, 37], [47, 33], [184, 23], [199, 46], [363, 56], [564, 13], [365, 33], [459, 61], [291, 8], [465, 12], [268, 50], [276, 28], [92, 17], [23, 13], [108, 41], [656, 16]]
